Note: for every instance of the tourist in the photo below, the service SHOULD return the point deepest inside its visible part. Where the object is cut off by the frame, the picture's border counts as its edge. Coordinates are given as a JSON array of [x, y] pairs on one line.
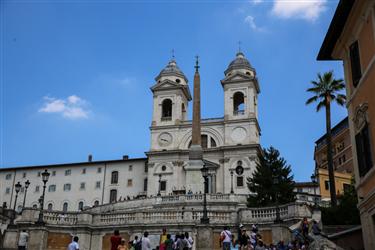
[[182, 243], [315, 228], [163, 238], [168, 243], [122, 245], [234, 244], [281, 246], [305, 227], [146, 245], [226, 238], [23, 239], [74, 245], [260, 245], [244, 239], [189, 240], [115, 240]]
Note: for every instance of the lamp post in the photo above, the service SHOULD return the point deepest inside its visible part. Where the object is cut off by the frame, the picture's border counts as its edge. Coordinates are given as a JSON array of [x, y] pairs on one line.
[[18, 188], [205, 219], [159, 185], [278, 219], [314, 181], [231, 183], [45, 176], [27, 184]]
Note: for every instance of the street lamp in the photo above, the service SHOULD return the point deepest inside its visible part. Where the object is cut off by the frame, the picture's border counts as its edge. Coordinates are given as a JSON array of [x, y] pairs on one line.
[[314, 181], [231, 184], [18, 188], [27, 184], [205, 219], [159, 185], [275, 183], [45, 176]]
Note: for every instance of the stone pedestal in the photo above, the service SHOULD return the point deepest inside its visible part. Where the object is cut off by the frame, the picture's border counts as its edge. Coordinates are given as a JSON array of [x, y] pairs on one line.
[[280, 232], [194, 179], [10, 239], [204, 237], [38, 238]]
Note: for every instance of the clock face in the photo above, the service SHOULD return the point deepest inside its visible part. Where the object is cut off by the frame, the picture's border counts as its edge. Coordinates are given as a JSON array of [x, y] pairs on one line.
[[165, 139]]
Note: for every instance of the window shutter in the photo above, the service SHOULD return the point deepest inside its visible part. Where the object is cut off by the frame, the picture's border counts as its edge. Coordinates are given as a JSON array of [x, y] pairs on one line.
[[355, 63]]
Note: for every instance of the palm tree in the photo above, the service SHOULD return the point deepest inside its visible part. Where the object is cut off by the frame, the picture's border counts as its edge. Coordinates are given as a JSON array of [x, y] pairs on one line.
[[326, 90]]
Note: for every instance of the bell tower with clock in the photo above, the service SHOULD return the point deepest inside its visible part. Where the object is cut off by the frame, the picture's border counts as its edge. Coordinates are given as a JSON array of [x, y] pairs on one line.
[[171, 96]]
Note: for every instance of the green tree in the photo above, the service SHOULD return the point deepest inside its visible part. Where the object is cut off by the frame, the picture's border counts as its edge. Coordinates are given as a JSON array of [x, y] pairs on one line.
[[272, 182], [326, 90]]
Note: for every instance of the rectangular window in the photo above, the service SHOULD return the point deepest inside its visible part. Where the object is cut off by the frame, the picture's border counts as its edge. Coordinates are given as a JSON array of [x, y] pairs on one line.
[[299, 190], [239, 181], [99, 170], [52, 188], [68, 172], [67, 187], [7, 190], [114, 177], [146, 167], [113, 196], [22, 189], [97, 184], [326, 185], [84, 171], [130, 182], [38, 174], [53, 173], [163, 185], [23, 175], [8, 177], [37, 188], [145, 185], [130, 167], [82, 186], [362, 140], [355, 63]]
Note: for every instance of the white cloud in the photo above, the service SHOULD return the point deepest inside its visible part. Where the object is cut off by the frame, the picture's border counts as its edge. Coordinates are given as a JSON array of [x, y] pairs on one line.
[[73, 107], [256, 1], [301, 9], [251, 22]]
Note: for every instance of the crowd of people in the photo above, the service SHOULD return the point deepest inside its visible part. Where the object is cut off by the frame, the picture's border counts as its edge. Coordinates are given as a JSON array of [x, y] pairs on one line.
[[253, 240]]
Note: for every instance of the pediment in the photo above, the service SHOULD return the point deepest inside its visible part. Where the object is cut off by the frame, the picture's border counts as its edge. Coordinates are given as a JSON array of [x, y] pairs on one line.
[[238, 76], [168, 85]]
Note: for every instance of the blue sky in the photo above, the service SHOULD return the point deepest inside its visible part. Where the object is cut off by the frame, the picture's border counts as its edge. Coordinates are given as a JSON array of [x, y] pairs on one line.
[[75, 75]]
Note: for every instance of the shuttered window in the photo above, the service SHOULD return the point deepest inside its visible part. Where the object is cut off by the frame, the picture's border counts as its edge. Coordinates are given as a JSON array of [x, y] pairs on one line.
[[355, 63], [362, 140]]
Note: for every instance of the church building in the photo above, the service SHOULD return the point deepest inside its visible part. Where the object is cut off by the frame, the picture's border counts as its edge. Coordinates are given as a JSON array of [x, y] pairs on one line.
[[228, 147]]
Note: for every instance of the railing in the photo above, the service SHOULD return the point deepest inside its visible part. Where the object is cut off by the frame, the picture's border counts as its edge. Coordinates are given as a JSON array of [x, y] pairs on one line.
[[239, 112], [60, 218]]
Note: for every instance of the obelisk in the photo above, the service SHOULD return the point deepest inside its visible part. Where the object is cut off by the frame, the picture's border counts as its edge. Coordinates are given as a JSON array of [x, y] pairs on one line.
[[194, 179]]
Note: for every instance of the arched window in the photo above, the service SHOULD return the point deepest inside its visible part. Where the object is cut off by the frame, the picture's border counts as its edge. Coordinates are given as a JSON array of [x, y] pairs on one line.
[[206, 142], [113, 196], [238, 103], [80, 205], [166, 110], [213, 143], [35, 206], [114, 177], [65, 207], [96, 203], [50, 207], [183, 111]]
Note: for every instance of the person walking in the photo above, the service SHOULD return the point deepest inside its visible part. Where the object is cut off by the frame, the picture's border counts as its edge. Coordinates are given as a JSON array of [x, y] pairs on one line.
[[163, 238], [168, 243], [146, 245], [115, 240], [74, 244], [226, 238], [315, 228], [23, 239], [190, 240]]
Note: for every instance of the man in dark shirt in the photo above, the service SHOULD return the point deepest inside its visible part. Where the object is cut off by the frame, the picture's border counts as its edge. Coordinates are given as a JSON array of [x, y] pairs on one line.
[[244, 238]]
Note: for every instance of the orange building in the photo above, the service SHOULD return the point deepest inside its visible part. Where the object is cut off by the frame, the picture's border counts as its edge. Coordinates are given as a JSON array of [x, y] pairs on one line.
[[342, 160], [351, 38]]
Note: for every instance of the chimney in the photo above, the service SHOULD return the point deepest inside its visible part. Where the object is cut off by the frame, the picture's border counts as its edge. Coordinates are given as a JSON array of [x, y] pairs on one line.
[[90, 158], [125, 157]]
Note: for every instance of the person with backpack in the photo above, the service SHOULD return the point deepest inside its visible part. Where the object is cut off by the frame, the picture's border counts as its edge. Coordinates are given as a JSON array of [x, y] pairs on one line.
[[225, 238], [137, 244]]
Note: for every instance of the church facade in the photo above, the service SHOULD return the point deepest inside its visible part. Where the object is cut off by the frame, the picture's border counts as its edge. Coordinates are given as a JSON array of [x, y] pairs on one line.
[[230, 146]]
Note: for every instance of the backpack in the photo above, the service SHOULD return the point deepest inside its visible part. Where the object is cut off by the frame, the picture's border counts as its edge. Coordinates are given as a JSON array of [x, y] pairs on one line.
[[138, 245]]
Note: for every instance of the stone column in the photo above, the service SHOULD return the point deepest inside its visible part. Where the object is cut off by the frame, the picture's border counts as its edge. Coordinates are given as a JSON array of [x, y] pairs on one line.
[[10, 239], [205, 237], [194, 179], [38, 238]]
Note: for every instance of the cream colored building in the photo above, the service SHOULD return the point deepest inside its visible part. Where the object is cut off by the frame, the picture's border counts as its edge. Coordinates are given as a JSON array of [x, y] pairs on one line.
[[351, 38], [230, 142]]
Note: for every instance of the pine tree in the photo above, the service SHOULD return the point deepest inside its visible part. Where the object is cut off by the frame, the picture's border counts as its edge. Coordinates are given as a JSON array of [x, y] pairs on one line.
[[272, 182]]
